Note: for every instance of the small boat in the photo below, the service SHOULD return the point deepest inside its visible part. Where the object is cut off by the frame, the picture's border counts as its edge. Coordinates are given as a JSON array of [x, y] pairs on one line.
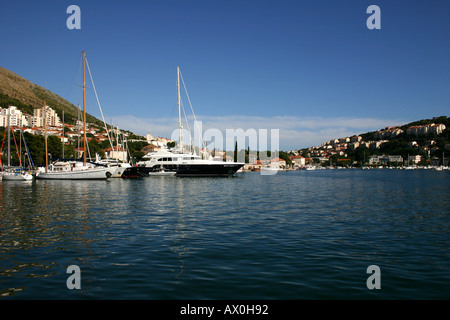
[[161, 172], [18, 174], [117, 167]]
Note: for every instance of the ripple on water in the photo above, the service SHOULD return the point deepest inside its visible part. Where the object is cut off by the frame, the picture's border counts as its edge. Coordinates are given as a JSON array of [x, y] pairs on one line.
[[295, 235]]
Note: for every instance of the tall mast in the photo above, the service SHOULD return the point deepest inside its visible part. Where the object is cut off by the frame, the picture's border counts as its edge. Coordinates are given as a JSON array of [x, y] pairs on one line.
[[63, 136], [9, 137], [84, 111], [180, 125], [45, 140]]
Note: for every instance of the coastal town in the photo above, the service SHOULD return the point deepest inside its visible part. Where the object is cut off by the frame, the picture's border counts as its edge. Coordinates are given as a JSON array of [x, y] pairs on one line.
[[367, 150], [419, 149], [68, 134]]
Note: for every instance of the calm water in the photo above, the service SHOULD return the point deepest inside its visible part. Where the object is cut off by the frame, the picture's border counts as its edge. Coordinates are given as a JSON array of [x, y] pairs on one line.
[[295, 235]]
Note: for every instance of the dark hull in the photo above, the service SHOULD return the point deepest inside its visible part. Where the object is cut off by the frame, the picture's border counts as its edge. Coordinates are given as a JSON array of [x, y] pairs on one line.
[[134, 173], [208, 170], [167, 168], [187, 170]]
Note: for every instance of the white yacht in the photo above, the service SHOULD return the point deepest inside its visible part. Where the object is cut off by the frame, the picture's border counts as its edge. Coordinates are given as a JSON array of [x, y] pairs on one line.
[[180, 163], [167, 162]]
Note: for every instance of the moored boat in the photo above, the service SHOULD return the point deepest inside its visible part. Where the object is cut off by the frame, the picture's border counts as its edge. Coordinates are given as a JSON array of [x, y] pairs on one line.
[[72, 169], [18, 174], [179, 162]]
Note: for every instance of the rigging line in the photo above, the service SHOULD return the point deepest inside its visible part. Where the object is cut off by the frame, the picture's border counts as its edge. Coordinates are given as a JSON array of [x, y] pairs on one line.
[[89, 151], [188, 127], [28, 151], [193, 113], [1, 150], [17, 149], [168, 124], [96, 96]]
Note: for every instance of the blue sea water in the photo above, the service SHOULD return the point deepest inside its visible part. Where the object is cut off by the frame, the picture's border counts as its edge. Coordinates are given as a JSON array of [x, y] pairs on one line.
[[294, 235]]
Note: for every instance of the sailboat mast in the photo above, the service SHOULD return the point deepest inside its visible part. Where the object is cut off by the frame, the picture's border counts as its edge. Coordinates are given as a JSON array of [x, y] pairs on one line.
[[63, 136], [84, 110], [45, 140], [180, 125], [9, 137]]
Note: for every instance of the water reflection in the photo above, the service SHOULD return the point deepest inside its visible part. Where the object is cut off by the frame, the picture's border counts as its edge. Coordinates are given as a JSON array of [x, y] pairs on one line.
[[165, 237], [43, 220]]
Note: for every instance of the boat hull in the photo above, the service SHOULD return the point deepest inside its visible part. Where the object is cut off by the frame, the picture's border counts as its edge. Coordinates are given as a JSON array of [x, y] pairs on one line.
[[208, 170], [133, 173], [162, 174], [17, 177], [91, 174]]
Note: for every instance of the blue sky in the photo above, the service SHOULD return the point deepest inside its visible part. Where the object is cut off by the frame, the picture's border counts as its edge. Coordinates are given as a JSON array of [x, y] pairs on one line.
[[309, 68]]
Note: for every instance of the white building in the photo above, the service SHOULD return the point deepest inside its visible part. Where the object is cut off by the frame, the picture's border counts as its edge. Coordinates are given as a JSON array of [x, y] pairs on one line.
[[277, 163], [299, 161], [117, 153], [426, 129], [39, 118], [415, 159], [16, 117], [388, 132], [385, 159]]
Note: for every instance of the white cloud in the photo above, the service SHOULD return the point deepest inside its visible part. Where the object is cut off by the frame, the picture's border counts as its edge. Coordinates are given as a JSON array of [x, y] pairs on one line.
[[295, 132]]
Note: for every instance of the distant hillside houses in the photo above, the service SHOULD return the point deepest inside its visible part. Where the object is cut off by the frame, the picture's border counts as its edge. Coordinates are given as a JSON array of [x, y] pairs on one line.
[[338, 146], [19, 119], [39, 117], [385, 159], [387, 133], [35, 124], [16, 117], [426, 129], [157, 141]]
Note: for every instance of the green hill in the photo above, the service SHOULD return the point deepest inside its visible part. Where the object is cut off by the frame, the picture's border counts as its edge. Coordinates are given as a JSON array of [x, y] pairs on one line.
[[431, 146], [26, 96]]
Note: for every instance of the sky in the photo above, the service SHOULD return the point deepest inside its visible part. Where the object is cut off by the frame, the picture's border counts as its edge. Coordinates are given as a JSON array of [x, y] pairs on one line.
[[312, 69]]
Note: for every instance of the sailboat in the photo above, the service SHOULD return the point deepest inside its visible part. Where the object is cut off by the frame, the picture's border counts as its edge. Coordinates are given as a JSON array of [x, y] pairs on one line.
[[15, 173], [180, 163], [74, 169]]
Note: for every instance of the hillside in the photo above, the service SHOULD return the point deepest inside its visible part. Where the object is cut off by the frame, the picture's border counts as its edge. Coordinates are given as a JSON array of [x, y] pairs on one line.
[[421, 140], [26, 96]]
